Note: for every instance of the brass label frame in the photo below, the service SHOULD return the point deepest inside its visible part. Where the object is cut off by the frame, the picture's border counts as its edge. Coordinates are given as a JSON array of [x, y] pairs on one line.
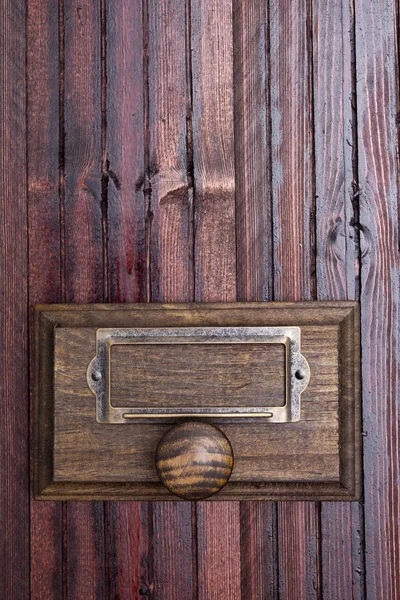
[[297, 373]]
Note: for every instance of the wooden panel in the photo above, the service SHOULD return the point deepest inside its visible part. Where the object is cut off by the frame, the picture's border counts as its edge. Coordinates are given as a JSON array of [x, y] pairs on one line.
[[82, 249], [313, 455], [311, 458], [337, 249], [129, 551], [129, 560], [190, 375], [14, 429], [46, 535], [377, 116]]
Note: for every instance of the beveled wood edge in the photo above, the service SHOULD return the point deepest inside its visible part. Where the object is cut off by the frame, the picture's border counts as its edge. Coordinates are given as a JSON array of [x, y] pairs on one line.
[[231, 491], [43, 430], [49, 316], [350, 406]]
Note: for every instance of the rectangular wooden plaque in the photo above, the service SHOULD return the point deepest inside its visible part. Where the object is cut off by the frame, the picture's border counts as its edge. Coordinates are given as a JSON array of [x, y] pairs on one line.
[[112, 379]]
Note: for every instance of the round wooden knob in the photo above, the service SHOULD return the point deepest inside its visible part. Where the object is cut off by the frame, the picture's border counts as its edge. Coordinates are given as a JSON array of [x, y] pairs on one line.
[[194, 460]]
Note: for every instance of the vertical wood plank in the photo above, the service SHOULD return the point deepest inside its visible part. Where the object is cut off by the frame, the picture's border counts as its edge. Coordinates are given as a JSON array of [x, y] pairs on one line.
[[83, 250], [218, 527], [130, 550], [258, 527], [171, 205], [252, 151], [174, 554], [213, 150], [44, 253], [125, 153], [14, 431], [258, 543], [377, 112], [171, 239], [293, 203], [298, 550], [337, 249], [218, 531], [335, 150], [83, 255], [292, 149], [128, 524]]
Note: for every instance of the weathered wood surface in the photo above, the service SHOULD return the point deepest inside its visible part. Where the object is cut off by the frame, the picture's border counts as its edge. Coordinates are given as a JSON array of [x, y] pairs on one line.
[[43, 140], [170, 243], [129, 559], [82, 250], [202, 375], [377, 137], [341, 561], [293, 246], [14, 390]]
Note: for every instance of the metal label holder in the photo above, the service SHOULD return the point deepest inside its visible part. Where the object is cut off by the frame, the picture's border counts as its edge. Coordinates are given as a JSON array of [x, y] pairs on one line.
[[297, 371]]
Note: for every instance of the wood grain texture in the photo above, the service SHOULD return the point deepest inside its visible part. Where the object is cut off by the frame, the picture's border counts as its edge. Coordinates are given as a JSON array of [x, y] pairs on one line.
[[124, 154], [258, 543], [129, 556], [82, 249], [298, 538], [213, 150], [294, 450], [377, 116], [14, 427], [337, 249], [292, 196], [175, 566], [194, 460], [129, 550], [252, 150], [202, 375], [46, 539], [292, 149], [219, 552], [171, 194]]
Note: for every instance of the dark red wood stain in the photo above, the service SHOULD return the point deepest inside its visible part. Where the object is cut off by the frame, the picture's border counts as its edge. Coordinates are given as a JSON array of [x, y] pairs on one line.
[[337, 264], [82, 251], [43, 140], [208, 150], [14, 463], [377, 116]]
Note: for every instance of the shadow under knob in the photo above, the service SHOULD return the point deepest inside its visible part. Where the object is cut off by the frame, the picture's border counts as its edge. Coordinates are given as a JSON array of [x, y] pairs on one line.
[[194, 460]]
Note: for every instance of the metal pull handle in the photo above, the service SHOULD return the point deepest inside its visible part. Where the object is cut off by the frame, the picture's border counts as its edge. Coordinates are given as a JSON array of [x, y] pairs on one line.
[[194, 460]]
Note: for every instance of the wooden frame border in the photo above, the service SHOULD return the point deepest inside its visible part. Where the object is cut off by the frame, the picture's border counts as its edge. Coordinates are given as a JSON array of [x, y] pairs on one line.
[[344, 314]]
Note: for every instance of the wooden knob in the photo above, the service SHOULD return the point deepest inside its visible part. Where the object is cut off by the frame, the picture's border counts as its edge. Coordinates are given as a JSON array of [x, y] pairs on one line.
[[194, 460]]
